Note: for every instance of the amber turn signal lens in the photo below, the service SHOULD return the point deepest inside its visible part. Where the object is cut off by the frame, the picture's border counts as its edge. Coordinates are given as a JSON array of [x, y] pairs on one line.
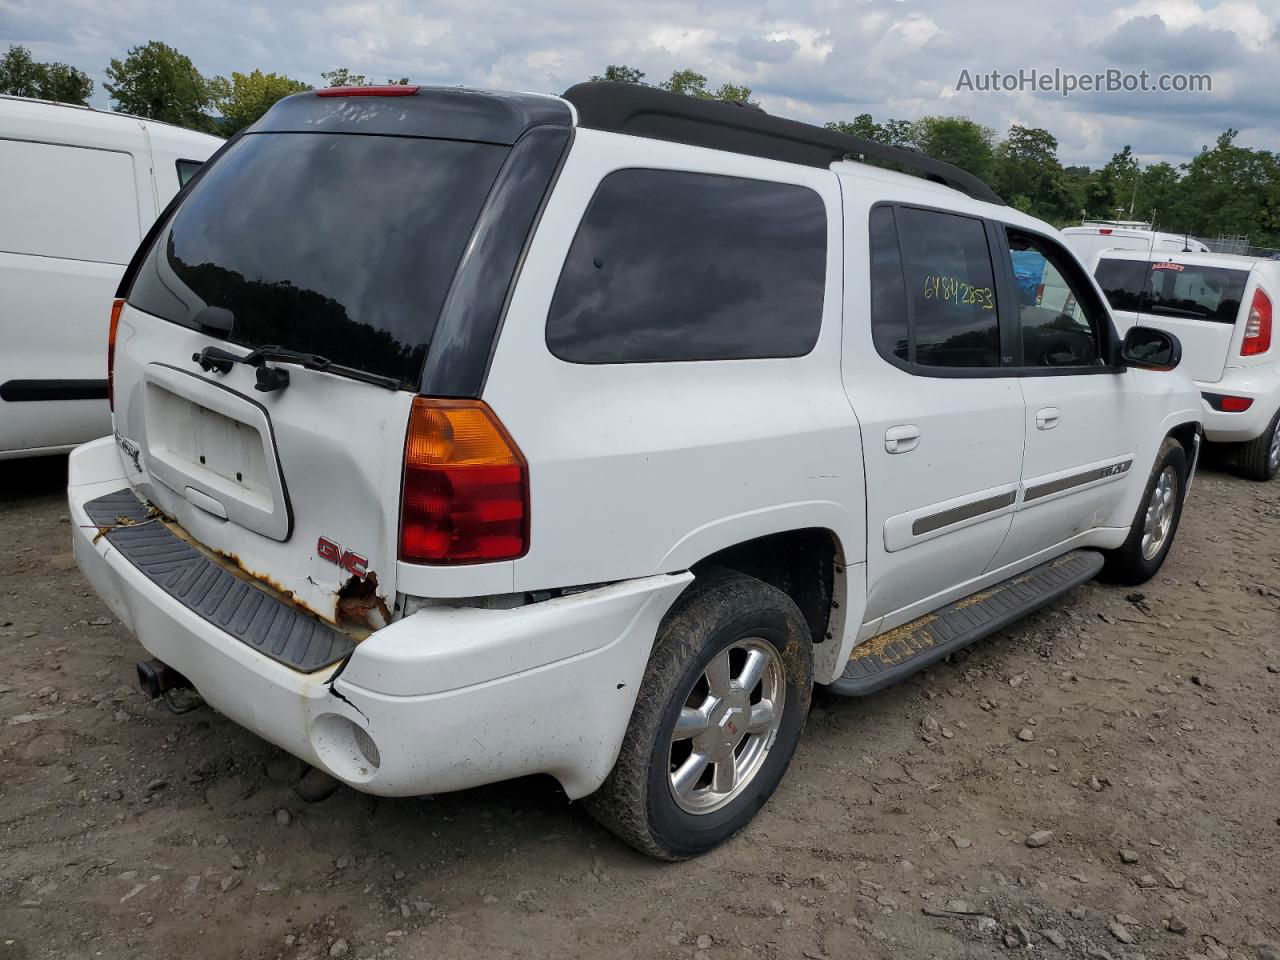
[[116, 307], [465, 497]]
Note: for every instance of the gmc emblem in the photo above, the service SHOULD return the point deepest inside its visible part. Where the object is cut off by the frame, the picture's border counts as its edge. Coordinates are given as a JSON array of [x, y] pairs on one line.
[[348, 560]]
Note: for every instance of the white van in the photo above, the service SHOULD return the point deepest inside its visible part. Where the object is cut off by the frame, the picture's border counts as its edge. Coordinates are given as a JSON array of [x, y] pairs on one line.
[[1090, 239], [82, 186]]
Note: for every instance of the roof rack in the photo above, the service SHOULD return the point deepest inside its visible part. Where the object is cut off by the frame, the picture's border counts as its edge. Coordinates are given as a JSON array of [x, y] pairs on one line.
[[644, 111]]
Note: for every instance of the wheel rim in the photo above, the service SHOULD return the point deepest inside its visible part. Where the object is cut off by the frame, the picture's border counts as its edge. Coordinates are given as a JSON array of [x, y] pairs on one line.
[[1273, 459], [1160, 510], [727, 726]]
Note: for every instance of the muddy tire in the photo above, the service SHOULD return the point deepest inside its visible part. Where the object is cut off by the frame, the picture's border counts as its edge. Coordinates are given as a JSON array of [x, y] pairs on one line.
[[1259, 459], [1159, 511], [716, 721]]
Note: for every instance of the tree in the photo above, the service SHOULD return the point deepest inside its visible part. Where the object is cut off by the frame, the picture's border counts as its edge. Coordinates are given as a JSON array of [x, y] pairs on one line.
[[1235, 189], [957, 140], [342, 77], [158, 82], [733, 92], [1026, 169], [690, 83], [620, 73], [22, 76], [861, 126], [247, 96]]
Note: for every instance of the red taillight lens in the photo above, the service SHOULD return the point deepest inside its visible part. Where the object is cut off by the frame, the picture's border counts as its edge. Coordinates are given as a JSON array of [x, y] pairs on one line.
[[377, 90], [116, 307], [1105, 231], [1257, 331], [466, 486], [1236, 404]]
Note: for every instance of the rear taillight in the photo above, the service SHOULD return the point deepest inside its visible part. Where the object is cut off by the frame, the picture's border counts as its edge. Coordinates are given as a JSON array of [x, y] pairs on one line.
[[465, 497], [374, 90], [1105, 231], [116, 307], [1257, 330]]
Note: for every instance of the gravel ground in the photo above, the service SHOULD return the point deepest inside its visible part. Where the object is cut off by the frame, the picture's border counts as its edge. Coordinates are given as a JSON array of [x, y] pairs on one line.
[[1100, 781]]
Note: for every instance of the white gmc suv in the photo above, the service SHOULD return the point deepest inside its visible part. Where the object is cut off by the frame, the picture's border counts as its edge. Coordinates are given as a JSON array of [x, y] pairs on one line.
[[463, 435], [1220, 308]]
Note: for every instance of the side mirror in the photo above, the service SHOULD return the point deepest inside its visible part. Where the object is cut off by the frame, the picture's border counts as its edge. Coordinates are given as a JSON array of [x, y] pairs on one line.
[[1150, 349]]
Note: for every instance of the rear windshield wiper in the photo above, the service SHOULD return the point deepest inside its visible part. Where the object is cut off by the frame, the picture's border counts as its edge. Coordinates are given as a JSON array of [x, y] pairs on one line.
[[274, 378]]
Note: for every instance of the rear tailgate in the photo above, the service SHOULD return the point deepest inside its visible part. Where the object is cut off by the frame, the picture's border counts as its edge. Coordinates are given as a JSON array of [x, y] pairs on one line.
[[327, 242], [264, 478], [1200, 304]]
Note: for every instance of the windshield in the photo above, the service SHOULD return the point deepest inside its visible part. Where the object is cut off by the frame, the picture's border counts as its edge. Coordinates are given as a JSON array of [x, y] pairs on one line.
[[335, 244], [1168, 289]]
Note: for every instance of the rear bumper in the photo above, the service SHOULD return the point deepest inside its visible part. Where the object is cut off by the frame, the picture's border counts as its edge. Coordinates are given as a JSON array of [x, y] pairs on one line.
[[448, 698], [1260, 384]]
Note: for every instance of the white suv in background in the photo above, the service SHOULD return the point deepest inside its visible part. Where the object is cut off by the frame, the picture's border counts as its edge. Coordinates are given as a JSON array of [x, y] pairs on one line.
[[1221, 308], [463, 435], [81, 187], [1090, 239]]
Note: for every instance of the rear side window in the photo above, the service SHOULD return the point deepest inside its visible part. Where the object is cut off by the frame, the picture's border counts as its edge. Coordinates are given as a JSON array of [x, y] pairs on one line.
[[669, 265], [73, 203], [1169, 289], [950, 289], [1122, 282], [335, 244]]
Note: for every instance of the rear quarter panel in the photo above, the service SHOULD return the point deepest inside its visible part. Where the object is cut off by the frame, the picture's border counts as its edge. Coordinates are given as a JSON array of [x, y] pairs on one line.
[[645, 468]]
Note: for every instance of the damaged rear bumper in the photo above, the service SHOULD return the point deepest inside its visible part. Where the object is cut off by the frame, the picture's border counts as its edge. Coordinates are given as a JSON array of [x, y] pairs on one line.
[[447, 698]]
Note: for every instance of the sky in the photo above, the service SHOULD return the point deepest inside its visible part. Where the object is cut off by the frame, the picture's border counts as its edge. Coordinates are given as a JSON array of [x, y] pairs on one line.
[[813, 60]]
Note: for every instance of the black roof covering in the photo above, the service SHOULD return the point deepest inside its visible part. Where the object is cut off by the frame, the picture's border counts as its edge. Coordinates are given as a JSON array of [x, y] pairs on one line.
[[448, 113], [643, 111]]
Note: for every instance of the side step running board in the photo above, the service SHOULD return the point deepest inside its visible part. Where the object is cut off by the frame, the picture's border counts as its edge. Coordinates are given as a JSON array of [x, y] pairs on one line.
[[892, 656]]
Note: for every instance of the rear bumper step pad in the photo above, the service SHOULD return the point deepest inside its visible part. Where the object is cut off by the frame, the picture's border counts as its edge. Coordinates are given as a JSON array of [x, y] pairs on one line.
[[892, 656], [255, 617]]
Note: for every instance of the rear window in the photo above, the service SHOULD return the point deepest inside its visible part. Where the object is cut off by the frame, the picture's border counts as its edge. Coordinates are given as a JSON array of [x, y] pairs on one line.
[[333, 244], [1168, 289]]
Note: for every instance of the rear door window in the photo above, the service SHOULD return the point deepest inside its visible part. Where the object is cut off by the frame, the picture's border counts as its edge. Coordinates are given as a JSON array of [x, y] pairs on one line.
[[335, 244], [1170, 289], [74, 203], [669, 265], [950, 288]]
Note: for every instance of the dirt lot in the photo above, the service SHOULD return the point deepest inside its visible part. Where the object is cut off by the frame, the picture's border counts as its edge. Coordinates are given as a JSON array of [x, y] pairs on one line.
[[1139, 728]]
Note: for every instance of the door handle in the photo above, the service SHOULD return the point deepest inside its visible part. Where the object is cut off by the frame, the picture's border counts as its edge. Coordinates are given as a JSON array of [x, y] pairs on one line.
[[1047, 418], [902, 439]]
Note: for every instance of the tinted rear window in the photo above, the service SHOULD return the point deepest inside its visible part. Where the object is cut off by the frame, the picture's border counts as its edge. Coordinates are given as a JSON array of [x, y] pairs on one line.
[[949, 279], [1168, 289], [332, 244], [669, 265]]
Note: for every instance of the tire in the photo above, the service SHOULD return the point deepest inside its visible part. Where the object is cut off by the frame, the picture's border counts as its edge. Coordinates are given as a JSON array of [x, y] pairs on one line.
[[721, 612], [1260, 458], [1134, 561]]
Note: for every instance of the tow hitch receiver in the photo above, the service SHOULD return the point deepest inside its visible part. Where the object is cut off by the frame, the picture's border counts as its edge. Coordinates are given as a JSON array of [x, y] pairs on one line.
[[157, 678]]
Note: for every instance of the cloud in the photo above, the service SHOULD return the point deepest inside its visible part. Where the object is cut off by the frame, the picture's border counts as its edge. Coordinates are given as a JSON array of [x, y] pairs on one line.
[[815, 60], [767, 50]]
